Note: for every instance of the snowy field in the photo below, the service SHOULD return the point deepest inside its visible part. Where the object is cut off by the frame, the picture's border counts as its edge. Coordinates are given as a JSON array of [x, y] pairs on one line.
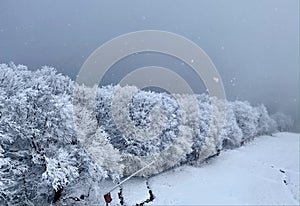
[[263, 172]]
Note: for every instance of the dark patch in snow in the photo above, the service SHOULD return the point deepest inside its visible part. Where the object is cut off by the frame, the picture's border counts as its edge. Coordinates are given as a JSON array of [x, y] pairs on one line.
[[120, 196], [57, 195], [151, 196]]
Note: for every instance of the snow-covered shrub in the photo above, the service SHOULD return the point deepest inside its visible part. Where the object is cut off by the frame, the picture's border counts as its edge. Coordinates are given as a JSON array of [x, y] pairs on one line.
[[284, 122], [266, 125], [247, 119]]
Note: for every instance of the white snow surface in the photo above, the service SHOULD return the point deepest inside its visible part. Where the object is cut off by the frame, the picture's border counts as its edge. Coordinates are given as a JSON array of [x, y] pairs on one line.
[[262, 172]]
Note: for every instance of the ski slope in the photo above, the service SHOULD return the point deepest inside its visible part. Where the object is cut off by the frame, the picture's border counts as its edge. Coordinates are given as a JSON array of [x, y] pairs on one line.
[[263, 172]]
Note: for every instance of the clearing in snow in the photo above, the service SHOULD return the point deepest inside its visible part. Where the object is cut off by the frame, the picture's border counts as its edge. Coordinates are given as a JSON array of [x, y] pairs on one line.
[[263, 172]]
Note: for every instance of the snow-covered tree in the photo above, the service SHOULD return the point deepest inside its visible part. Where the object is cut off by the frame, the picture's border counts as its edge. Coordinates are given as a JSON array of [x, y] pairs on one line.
[[284, 122], [59, 140], [91, 136], [60, 169], [231, 134], [143, 125], [206, 140], [134, 126], [247, 119], [266, 125], [36, 122]]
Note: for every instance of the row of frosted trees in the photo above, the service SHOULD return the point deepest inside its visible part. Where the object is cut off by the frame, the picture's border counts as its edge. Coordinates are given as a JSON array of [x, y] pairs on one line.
[[59, 140], [186, 133]]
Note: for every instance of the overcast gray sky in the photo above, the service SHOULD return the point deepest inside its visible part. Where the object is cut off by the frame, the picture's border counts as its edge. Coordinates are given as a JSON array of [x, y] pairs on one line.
[[253, 43]]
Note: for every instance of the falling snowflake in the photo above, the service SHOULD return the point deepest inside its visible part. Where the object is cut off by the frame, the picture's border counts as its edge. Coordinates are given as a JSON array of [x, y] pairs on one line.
[[232, 81], [216, 79]]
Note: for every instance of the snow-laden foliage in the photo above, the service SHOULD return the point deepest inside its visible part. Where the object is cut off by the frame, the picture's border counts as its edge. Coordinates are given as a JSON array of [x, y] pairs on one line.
[[142, 127], [246, 118], [92, 137], [59, 140], [36, 126], [266, 125], [202, 129], [113, 113], [284, 122], [231, 133], [60, 169]]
